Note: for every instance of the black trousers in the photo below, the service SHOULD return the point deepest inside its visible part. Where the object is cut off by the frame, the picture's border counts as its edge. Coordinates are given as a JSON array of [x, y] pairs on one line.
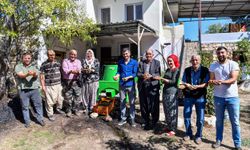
[[149, 103]]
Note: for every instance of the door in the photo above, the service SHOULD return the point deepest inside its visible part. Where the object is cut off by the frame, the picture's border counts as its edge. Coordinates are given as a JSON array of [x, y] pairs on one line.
[[105, 55], [60, 56]]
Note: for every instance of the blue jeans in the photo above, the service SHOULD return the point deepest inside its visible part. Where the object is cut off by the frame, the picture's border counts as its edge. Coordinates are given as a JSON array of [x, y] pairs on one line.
[[233, 106], [200, 104], [26, 96], [131, 96]]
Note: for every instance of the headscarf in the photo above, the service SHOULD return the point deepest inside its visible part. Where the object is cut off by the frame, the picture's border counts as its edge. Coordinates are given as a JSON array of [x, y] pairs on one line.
[[175, 59], [91, 61]]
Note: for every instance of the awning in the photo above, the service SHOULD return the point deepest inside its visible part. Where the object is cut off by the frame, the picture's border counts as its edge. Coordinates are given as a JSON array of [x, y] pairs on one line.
[[127, 29], [130, 27]]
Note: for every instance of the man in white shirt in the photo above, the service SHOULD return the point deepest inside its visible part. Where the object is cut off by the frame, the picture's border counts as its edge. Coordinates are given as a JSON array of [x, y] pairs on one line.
[[223, 75]]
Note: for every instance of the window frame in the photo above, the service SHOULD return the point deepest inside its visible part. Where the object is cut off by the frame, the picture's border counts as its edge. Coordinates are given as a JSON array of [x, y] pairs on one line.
[[109, 15], [134, 11]]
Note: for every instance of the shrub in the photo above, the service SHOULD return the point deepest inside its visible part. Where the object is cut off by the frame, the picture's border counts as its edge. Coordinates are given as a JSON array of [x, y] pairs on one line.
[[206, 60], [242, 54]]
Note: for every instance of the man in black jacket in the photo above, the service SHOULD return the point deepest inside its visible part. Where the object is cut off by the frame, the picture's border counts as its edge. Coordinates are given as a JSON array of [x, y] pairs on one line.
[[148, 88], [194, 85]]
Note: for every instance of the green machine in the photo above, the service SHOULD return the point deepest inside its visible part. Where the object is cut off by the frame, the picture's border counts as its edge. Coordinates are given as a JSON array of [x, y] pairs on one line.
[[108, 85]]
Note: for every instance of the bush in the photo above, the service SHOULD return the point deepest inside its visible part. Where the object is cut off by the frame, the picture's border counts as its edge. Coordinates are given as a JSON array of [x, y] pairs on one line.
[[241, 56], [206, 60]]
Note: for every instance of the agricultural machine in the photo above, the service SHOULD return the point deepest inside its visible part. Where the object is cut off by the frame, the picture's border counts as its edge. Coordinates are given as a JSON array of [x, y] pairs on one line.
[[107, 92]]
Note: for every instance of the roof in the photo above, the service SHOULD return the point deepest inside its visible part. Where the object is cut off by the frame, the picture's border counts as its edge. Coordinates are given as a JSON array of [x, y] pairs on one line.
[[129, 27], [224, 37], [210, 8]]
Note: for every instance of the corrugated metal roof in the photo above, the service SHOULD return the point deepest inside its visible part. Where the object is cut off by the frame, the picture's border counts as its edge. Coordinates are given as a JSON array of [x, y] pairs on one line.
[[224, 37], [211, 8]]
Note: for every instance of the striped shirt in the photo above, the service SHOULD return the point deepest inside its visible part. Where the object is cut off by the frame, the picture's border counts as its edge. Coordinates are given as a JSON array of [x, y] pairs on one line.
[[52, 73]]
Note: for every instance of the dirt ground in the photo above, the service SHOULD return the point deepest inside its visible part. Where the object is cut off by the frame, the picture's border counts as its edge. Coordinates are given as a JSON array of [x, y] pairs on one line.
[[79, 133]]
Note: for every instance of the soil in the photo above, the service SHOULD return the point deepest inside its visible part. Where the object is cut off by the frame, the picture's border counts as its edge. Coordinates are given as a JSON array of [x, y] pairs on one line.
[[82, 132]]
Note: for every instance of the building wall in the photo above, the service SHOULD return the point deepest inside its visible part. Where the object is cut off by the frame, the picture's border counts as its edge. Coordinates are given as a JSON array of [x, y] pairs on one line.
[[174, 36], [231, 46], [88, 8], [152, 11], [152, 16], [192, 48], [78, 45]]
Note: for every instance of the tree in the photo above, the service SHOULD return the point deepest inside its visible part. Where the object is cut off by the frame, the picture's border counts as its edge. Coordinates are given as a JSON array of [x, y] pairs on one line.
[[22, 22], [243, 53], [244, 45], [218, 28]]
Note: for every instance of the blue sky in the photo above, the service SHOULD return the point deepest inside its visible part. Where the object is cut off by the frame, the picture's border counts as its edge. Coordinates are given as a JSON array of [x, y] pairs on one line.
[[191, 27]]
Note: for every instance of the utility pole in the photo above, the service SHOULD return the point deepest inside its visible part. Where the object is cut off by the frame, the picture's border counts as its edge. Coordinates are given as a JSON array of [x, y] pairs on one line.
[[199, 25]]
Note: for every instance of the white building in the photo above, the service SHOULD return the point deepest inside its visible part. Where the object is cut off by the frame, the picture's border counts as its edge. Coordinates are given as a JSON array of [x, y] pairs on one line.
[[137, 24]]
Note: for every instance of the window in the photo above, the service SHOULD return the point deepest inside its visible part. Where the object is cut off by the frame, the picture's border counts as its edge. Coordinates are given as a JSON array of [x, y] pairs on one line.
[[134, 12], [105, 14], [138, 9]]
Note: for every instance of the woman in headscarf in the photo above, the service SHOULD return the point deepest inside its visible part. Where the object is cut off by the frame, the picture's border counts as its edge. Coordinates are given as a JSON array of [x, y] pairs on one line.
[[170, 105], [90, 78]]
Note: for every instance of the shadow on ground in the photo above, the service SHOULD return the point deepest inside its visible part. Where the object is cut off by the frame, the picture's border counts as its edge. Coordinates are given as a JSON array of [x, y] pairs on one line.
[[125, 141], [126, 145], [245, 114], [10, 110]]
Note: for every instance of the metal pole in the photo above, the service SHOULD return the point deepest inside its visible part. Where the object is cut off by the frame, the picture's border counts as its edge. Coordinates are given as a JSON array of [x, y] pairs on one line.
[[138, 43], [199, 25]]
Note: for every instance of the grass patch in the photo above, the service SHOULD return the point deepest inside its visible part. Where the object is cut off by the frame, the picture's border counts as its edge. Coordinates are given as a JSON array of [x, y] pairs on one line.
[[160, 140], [19, 143], [23, 144], [46, 135], [33, 140], [246, 142]]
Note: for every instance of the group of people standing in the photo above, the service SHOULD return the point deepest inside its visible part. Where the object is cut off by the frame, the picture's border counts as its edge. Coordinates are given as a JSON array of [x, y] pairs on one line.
[[148, 72], [221, 74], [73, 82], [80, 82]]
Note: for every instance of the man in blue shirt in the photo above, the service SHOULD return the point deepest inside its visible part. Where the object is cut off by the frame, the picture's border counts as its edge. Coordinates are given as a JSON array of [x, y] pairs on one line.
[[127, 70], [194, 85]]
